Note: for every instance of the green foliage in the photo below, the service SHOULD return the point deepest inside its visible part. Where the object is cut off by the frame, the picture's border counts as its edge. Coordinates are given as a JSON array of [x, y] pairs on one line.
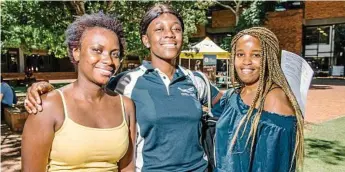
[[41, 24], [34, 25], [250, 13], [225, 44], [253, 16]]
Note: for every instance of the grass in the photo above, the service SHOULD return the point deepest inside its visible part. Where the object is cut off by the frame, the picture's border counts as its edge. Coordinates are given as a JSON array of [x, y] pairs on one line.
[[325, 146]]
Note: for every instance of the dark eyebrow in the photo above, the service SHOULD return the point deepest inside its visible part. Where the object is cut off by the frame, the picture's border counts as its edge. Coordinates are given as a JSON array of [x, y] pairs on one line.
[[177, 23], [157, 23], [257, 51], [97, 44]]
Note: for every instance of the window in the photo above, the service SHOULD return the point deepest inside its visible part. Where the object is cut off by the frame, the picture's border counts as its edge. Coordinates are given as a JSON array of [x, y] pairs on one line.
[[317, 35]]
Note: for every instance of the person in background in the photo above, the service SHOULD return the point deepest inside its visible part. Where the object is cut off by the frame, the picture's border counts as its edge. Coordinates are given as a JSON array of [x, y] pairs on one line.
[[81, 128], [168, 103], [8, 97], [197, 65], [261, 127]]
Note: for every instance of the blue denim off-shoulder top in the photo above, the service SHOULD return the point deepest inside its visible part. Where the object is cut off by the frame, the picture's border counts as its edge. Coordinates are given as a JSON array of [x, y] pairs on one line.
[[274, 142]]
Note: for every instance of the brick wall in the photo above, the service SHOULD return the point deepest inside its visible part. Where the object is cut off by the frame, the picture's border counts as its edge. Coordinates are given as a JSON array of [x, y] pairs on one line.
[[287, 25], [324, 9], [201, 31], [223, 18]]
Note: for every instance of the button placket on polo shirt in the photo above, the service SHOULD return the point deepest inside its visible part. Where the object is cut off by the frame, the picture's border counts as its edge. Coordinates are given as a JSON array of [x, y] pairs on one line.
[[165, 79]]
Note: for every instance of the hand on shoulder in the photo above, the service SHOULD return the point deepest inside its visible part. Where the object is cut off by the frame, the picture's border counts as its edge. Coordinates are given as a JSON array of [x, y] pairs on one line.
[[52, 109], [276, 101]]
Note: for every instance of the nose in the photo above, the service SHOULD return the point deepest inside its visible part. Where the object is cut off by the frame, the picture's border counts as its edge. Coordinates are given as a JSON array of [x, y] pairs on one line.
[[169, 33], [247, 60], [106, 58]]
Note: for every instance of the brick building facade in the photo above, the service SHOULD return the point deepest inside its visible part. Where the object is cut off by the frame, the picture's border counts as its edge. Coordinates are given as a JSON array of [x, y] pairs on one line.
[[312, 30]]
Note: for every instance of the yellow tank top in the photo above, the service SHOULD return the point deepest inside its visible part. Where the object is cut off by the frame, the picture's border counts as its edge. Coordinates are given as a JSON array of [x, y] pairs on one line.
[[79, 148]]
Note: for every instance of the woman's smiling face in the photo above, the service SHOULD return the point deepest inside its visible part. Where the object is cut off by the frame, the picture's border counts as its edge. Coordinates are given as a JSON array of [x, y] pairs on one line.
[[248, 59], [164, 37], [98, 54]]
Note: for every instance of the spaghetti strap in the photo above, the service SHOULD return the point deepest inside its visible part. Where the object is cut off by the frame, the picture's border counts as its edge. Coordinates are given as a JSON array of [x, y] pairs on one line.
[[123, 110], [63, 102]]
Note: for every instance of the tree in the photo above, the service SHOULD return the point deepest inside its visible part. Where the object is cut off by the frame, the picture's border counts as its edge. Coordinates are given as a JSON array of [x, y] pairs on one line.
[[234, 5], [41, 24], [247, 13], [34, 25]]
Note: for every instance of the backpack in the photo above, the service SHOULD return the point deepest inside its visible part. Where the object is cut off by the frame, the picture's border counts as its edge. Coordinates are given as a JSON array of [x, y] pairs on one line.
[[208, 123]]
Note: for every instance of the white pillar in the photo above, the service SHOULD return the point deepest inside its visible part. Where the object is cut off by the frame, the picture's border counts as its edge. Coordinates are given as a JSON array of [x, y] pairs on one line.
[[189, 63], [21, 60]]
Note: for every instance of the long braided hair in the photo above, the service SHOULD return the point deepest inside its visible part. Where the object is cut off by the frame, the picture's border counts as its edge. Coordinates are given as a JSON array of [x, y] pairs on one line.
[[270, 74]]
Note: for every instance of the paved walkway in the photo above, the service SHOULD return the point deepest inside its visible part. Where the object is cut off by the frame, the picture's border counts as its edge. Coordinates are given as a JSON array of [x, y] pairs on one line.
[[326, 101], [10, 149]]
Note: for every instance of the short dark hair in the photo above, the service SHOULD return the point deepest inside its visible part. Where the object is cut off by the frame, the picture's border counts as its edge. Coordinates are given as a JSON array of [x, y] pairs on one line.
[[76, 29], [155, 12]]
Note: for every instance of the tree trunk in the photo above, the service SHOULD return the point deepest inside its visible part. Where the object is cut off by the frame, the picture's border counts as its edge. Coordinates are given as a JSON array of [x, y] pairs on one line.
[[236, 11], [79, 7]]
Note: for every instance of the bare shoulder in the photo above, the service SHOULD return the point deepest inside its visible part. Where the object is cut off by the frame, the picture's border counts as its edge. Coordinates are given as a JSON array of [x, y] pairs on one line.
[[51, 113], [129, 105], [276, 101], [51, 99]]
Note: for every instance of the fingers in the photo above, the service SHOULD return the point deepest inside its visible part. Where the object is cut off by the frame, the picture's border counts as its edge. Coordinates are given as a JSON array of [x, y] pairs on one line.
[[33, 96], [27, 104], [30, 102], [29, 107]]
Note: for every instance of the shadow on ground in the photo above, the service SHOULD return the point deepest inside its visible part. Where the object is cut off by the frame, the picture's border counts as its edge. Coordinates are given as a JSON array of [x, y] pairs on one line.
[[330, 152], [320, 87], [10, 149], [328, 81]]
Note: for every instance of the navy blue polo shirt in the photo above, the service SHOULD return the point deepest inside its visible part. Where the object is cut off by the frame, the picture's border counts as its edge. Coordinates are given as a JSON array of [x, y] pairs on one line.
[[168, 116]]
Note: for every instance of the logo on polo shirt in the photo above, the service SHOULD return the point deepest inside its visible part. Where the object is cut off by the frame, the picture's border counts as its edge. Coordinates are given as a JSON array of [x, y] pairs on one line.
[[187, 92]]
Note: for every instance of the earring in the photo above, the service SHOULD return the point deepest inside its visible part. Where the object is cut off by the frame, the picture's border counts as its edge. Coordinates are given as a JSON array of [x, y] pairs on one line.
[[147, 45]]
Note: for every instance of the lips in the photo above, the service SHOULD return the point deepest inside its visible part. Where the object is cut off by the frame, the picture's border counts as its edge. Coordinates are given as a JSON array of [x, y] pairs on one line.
[[169, 45], [247, 70], [106, 71]]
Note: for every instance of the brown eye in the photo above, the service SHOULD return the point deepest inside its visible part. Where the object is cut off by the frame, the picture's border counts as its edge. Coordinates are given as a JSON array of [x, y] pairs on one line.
[[97, 50], [158, 30], [257, 55], [177, 29], [239, 54], [115, 54]]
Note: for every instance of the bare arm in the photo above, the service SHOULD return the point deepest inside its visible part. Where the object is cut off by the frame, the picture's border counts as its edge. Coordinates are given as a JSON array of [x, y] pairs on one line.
[[1, 96], [217, 98], [33, 100], [127, 163], [37, 138]]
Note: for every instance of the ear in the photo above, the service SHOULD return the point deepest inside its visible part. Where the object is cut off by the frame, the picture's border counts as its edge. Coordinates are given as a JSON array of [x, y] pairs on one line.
[[76, 54], [145, 41]]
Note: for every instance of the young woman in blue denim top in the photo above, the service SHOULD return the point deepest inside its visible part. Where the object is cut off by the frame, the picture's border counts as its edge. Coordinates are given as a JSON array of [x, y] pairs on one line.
[[261, 127]]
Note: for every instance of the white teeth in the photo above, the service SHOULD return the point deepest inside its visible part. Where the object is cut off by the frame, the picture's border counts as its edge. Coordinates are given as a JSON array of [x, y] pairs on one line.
[[168, 45], [247, 71], [105, 72]]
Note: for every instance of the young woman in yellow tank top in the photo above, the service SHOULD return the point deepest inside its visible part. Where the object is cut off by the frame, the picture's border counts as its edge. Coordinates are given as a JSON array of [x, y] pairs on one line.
[[81, 127]]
